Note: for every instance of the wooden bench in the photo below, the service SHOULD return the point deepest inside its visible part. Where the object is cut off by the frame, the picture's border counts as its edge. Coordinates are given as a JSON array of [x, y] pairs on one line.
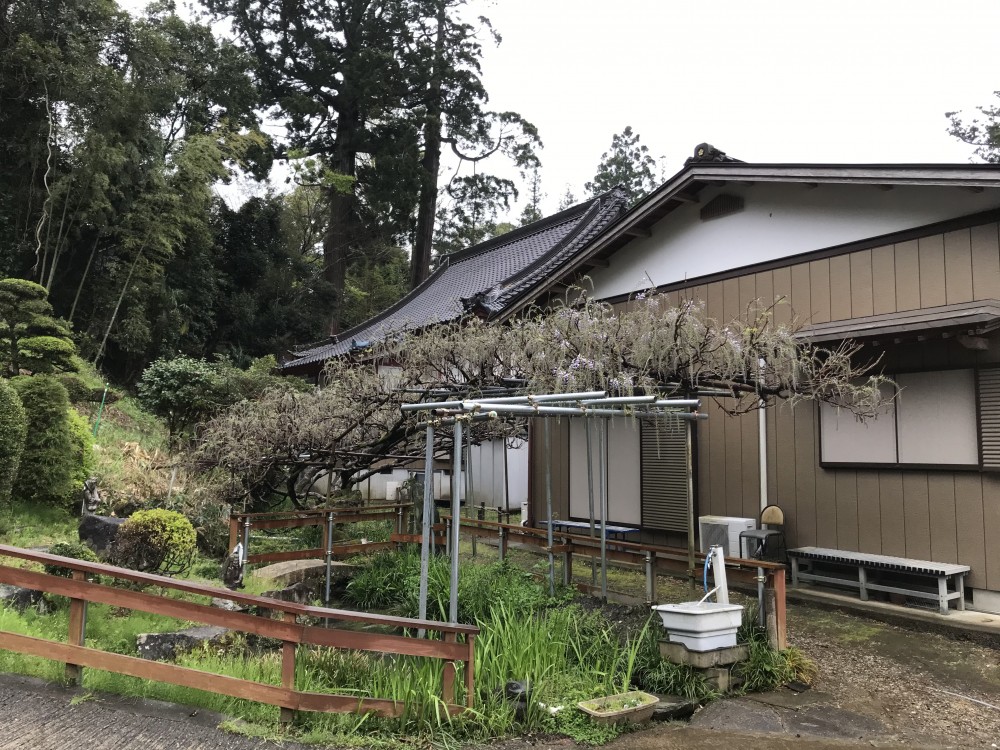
[[878, 564]]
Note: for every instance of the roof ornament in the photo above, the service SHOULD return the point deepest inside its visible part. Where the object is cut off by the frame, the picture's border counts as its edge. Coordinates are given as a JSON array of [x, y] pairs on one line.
[[708, 152]]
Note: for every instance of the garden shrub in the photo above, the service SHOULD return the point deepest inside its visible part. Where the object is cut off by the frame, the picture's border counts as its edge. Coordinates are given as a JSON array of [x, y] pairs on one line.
[[75, 550], [77, 388], [51, 462], [155, 541], [13, 431], [82, 441]]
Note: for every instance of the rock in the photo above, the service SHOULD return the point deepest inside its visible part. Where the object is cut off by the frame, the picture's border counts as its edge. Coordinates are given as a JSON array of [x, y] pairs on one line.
[[227, 605], [98, 532], [673, 707], [297, 593], [20, 599], [168, 646], [295, 571]]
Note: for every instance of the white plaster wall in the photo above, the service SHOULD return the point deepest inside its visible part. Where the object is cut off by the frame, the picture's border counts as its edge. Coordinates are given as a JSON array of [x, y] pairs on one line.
[[778, 221]]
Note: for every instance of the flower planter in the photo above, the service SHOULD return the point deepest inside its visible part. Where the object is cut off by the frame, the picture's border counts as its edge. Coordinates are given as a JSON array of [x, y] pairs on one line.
[[633, 707], [701, 626]]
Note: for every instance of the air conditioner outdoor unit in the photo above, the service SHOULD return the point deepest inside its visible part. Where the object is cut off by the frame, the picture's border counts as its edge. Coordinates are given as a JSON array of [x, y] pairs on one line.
[[724, 530]]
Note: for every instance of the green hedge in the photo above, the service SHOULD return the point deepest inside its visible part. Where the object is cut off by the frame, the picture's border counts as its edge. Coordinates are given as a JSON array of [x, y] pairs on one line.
[[51, 463], [13, 430]]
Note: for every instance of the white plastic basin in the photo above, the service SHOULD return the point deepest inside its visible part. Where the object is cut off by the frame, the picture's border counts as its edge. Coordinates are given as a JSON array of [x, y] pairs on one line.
[[701, 626]]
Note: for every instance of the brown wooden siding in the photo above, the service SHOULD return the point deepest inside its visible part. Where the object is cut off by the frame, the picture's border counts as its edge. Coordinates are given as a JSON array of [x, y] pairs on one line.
[[949, 516]]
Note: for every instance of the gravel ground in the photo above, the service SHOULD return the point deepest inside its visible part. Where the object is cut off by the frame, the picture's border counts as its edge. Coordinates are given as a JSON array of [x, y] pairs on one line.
[[903, 677]]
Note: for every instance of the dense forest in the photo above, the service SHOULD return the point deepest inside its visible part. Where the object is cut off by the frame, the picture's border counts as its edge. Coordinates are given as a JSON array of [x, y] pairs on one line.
[[118, 130]]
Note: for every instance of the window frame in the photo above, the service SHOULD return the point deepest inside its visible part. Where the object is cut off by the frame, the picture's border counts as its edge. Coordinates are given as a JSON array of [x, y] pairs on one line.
[[904, 466]]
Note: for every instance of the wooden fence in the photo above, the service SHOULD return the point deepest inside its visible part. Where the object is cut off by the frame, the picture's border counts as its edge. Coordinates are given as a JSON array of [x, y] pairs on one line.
[[653, 559], [241, 524], [452, 651]]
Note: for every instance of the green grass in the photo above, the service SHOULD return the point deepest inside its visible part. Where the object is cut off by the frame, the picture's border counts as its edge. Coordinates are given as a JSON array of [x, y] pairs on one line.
[[24, 525]]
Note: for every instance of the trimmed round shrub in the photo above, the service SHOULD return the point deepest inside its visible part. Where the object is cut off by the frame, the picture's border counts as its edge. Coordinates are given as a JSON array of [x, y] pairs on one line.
[[50, 467], [77, 388], [13, 431], [75, 550], [155, 541]]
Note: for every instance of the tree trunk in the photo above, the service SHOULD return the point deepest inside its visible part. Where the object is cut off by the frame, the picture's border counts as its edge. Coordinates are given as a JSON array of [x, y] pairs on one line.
[[339, 232], [420, 261]]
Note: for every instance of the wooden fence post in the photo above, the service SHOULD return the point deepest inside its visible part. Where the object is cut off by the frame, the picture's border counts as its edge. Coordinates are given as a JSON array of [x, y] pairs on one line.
[[470, 672], [288, 670], [448, 677], [774, 608], [77, 631]]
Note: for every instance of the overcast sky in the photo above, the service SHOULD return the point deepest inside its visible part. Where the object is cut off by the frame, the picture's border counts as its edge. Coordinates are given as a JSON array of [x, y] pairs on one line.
[[772, 81]]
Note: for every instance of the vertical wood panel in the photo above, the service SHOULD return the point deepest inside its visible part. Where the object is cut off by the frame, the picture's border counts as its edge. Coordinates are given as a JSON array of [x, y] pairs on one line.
[[847, 510], [970, 526], [941, 508], [771, 449], [991, 528], [764, 283], [826, 505], [748, 294], [840, 287], [869, 513], [785, 459], [884, 280], [862, 299], [819, 290], [958, 266], [673, 298], [734, 466], [918, 531], [713, 299], [782, 289], [890, 492], [748, 425], [801, 293], [717, 449], [985, 261], [930, 250], [805, 474], [730, 300], [907, 276], [703, 463]]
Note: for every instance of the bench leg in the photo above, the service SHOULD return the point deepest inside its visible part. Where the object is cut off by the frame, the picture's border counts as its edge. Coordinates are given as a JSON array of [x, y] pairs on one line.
[[795, 571], [960, 587], [863, 582], [943, 594]]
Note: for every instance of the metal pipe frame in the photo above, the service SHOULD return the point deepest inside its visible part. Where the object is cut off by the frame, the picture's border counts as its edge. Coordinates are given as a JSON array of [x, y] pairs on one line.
[[425, 534], [590, 498], [602, 441], [456, 521], [329, 556], [548, 506]]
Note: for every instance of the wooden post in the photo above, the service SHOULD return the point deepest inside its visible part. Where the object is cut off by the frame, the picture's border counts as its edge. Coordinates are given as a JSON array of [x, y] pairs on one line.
[[774, 603], [448, 678], [568, 566], [470, 672], [77, 628], [234, 532], [650, 577], [502, 548], [288, 670]]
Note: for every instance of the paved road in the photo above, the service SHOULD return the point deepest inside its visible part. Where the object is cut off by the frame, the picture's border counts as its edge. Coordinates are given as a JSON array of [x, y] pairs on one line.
[[37, 716]]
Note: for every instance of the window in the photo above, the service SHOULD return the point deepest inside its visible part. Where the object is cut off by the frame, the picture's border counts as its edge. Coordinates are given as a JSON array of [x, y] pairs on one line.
[[933, 421]]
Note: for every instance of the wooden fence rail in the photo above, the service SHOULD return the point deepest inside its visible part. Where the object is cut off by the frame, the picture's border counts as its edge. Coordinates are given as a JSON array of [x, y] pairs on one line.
[[75, 654]]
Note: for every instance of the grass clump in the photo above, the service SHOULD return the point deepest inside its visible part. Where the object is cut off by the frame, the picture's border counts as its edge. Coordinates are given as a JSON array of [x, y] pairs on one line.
[[767, 668]]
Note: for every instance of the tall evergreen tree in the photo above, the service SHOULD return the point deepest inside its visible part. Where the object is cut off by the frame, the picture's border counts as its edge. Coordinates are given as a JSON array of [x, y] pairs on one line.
[[626, 163]]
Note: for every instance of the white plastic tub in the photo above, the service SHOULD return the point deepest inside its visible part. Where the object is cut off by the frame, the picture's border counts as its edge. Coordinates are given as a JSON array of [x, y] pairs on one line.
[[701, 626]]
